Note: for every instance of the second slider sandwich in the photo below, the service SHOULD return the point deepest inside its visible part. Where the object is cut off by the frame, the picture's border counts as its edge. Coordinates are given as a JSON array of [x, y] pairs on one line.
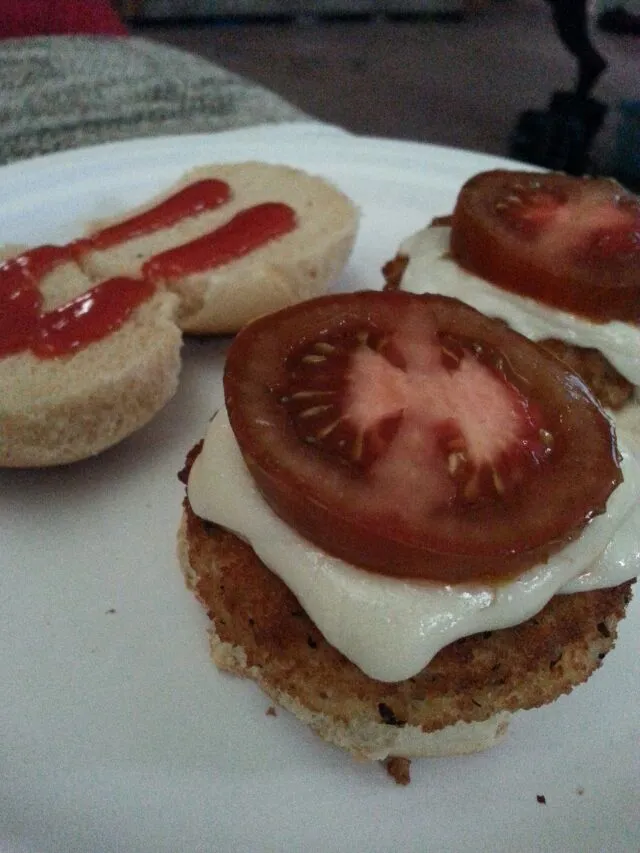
[[409, 522], [554, 256]]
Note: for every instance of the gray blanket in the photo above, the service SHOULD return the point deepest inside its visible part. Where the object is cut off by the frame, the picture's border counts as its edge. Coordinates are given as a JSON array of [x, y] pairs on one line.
[[68, 91]]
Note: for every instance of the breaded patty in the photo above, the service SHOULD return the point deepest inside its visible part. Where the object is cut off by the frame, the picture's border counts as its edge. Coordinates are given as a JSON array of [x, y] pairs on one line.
[[260, 630]]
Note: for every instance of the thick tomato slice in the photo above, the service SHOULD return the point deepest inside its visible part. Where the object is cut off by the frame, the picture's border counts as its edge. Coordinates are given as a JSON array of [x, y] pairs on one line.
[[573, 243], [414, 436]]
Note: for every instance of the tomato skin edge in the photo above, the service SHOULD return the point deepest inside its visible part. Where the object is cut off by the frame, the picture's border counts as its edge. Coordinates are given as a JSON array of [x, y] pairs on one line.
[[482, 247], [374, 543], [408, 563]]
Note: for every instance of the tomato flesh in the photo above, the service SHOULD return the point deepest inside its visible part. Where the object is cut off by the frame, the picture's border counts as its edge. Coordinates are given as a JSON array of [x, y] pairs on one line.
[[572, 243], [415, 437]]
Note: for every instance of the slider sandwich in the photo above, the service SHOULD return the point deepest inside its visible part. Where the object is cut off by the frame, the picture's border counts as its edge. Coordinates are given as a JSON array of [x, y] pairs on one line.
[[554, 256], [408, 522]]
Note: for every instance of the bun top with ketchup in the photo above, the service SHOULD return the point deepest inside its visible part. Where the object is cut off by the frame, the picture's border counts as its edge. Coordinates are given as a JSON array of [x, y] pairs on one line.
[[90, 331]]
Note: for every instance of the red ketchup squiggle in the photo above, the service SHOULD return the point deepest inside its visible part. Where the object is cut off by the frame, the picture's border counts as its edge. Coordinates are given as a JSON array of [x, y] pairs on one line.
[[106, 306], [87, 318], [20, 298], [90, 317], [194, 199], [247, 231]]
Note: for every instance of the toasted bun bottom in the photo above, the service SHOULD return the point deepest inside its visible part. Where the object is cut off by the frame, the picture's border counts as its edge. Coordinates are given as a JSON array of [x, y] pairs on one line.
[[460, 703], [59, 410]]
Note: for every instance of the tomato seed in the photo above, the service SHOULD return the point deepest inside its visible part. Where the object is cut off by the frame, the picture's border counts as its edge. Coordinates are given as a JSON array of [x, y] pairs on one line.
[[546, 438], [497, 482], [450, 360], [307, 395], [314, 411], [325, 431], [324, 347], [454, 461]]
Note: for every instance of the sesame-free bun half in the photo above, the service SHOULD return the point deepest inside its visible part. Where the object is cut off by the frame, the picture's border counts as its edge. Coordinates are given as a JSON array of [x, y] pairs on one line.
[[59, 410], [291, 268]]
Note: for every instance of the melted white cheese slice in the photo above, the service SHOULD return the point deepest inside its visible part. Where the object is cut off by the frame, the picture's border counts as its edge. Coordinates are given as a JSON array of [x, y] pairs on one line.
[[431, 270], [388, 627]]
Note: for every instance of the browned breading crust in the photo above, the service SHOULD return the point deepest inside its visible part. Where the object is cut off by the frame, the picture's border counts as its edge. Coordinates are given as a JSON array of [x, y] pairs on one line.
[[609, 386], [393, 271], [470, 680], [399, 769]]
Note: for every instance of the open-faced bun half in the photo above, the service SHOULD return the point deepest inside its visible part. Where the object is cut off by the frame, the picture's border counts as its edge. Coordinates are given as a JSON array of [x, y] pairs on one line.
[[56, 410], [221, 299]]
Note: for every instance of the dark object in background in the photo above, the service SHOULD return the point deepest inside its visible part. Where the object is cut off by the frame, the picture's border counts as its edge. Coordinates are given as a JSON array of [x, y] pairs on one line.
[[627, 149], [619, 21], [572, 25], [559, 138]]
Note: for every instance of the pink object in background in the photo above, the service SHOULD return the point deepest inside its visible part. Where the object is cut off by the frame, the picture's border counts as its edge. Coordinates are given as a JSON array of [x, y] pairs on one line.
[[59, 17]]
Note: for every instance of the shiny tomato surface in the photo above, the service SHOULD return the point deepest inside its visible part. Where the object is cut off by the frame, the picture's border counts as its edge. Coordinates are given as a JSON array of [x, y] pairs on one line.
[[415, 437], [572, 243]]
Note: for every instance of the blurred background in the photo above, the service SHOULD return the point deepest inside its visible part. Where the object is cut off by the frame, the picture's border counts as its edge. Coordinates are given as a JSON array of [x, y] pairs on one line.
[[476, 74]]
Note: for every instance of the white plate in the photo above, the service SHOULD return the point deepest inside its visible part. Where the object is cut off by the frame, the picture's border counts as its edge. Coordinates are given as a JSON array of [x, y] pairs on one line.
[[116, 732]]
